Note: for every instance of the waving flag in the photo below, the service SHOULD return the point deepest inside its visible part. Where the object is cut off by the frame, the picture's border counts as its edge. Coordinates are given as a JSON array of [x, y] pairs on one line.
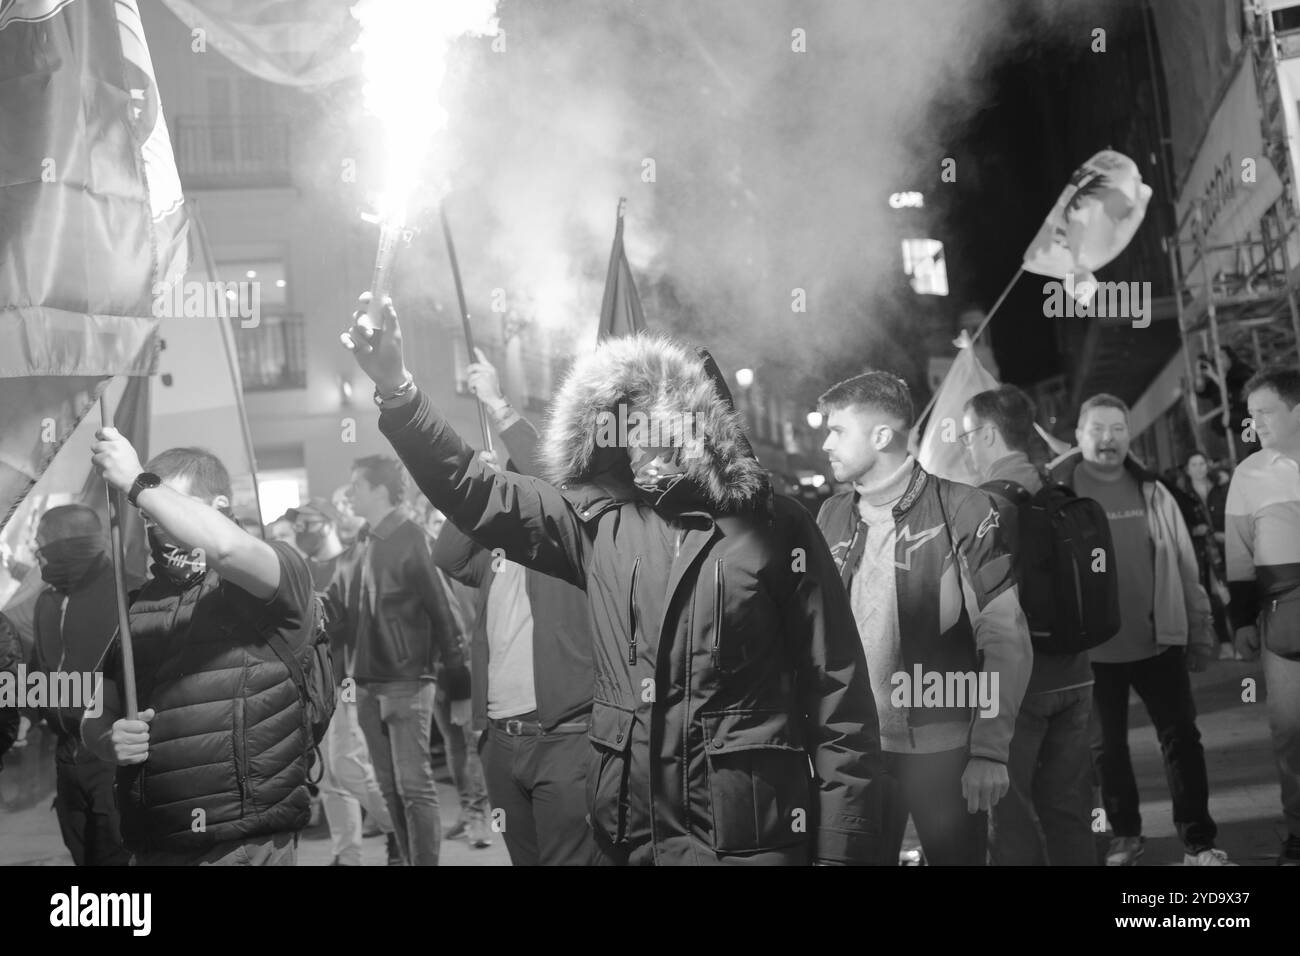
[[620, 310], [91, 220], [1094, 218], [940, 450]]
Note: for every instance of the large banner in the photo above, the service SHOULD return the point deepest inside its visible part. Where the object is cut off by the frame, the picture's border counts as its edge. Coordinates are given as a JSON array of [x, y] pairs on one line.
[[91, 220]]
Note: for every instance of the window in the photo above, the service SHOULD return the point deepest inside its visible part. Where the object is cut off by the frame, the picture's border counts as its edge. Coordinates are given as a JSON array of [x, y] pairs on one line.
[[270, 340], [923, 260]]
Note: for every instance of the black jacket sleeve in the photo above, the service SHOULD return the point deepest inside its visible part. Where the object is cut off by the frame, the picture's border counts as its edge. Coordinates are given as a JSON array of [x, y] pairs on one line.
[[460, 558], [530, 521], [422, 578], [522, 443], [842, 732]]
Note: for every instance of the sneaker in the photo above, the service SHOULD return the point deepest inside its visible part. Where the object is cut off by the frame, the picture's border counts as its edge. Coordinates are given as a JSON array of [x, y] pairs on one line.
[[337, 862], [1207, 857], [457, 832], [370, 827], [1124, 851], [1228, 653], [395, 857], [478, 835], [1290, 855]]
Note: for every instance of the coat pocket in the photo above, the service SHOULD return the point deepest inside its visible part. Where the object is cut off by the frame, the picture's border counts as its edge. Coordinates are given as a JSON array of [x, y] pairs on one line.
[[760, 781], [1279, 624], [607, 778]]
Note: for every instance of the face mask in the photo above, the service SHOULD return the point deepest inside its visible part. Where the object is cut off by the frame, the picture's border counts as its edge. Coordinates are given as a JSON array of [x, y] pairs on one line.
[[309, 542], [64, 563], [180, 565]]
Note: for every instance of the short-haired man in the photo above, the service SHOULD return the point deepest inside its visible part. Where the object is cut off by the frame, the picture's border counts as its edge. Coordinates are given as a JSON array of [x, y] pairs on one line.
[[1263, 559], [72, 629], [407, 638], [214, 769], [348, 780], [933, 591], [1045, 817], [1165, 630]]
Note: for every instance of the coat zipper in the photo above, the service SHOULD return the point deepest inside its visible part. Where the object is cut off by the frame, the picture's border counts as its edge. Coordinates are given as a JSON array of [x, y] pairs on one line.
[[718, 598], [631, 615]]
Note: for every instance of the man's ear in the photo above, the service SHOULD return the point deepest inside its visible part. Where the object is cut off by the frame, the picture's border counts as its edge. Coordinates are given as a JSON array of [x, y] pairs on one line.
[[221, 503], [882, 436]]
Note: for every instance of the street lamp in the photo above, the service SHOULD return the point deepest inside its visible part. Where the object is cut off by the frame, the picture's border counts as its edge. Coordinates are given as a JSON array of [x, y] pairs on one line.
[[744, 377], [814, 419]]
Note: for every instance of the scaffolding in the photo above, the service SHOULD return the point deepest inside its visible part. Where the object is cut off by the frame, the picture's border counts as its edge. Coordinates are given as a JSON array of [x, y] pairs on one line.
[[1242, 293]]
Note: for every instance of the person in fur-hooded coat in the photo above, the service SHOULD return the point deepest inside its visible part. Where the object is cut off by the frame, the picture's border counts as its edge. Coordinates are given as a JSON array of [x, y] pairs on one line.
[[733, 720]]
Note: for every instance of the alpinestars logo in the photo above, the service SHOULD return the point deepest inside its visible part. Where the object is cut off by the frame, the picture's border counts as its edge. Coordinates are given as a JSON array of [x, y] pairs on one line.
[[989, 523], [913, 541]]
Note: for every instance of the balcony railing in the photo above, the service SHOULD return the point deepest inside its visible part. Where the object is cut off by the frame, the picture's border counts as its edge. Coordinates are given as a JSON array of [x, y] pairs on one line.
[[272, 355], [233, 152]]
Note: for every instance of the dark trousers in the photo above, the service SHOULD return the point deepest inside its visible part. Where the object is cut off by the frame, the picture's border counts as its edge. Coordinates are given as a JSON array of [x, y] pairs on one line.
[[1045, 818], [928, 787], [88, 818], [538, 785], [1166, 692]]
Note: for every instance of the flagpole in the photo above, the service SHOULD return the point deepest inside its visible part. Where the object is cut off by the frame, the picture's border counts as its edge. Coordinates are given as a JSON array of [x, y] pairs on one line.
[[119, 577], [996, 305], [246, 433], [464, 317]]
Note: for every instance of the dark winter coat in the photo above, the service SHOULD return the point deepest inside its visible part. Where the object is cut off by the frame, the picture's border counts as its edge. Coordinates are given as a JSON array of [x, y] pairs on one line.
[[732, 717]]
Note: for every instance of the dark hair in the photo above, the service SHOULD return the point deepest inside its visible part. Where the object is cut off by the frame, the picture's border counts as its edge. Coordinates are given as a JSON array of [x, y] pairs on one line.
[[206, 475], [1102, 400], [382, 470], [1281, 379], [1011, 410], [879, 390], [70, 521], [1192, 454]]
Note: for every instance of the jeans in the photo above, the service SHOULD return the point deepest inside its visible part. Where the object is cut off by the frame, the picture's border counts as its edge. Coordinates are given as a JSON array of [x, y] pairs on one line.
[[1045, 818], [1282, 680], [1162, 683], [540, 786], [88, 818], [348, 784], [462, 761], [928, 787], [278, 849], [395, 717]]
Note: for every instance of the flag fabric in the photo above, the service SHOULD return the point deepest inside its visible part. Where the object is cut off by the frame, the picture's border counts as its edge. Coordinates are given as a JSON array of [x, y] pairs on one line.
[[939, 449], [620, 310], [92, 216], [1094, 218], [302, 43]]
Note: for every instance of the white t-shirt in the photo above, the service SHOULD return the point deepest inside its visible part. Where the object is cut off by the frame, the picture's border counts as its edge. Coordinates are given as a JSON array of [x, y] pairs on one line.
[[511, 690]]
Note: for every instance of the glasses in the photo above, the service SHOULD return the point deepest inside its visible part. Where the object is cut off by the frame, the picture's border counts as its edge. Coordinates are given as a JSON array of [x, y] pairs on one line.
[[967, 437]]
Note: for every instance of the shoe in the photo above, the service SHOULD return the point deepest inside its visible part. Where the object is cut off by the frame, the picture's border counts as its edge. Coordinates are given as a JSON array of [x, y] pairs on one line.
[[1228, 653], [337, 862], [395, 857], [478, 835], [1290, 855], [1207, 857], [370, 827], [457, 832], [1125, 851]]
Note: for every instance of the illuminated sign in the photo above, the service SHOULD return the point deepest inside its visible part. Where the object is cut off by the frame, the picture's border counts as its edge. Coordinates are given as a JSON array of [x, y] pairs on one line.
[[912, 200]]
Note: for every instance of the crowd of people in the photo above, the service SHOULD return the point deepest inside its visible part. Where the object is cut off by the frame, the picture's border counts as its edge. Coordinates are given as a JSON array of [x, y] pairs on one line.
[[638, 653]]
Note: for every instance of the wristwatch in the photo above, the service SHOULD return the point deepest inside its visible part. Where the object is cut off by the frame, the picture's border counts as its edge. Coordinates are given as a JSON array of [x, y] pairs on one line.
[[146, 479]]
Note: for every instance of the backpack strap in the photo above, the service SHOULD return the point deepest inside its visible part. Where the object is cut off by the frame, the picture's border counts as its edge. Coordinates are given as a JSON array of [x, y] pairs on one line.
[[1013, 491]]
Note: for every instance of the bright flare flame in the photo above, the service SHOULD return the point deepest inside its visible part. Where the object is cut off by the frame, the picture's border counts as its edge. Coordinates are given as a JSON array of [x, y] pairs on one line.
[[405, 45]]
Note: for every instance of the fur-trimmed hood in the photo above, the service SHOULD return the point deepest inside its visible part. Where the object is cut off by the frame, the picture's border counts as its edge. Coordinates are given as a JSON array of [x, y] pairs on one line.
[[649, 389]]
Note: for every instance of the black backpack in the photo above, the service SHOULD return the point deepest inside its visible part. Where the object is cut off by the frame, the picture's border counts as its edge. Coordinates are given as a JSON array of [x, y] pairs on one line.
[[1069, 589], [312, 670]]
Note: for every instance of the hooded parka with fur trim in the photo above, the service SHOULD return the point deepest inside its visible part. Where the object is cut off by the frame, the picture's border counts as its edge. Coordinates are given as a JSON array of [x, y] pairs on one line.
[[733, 720]]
